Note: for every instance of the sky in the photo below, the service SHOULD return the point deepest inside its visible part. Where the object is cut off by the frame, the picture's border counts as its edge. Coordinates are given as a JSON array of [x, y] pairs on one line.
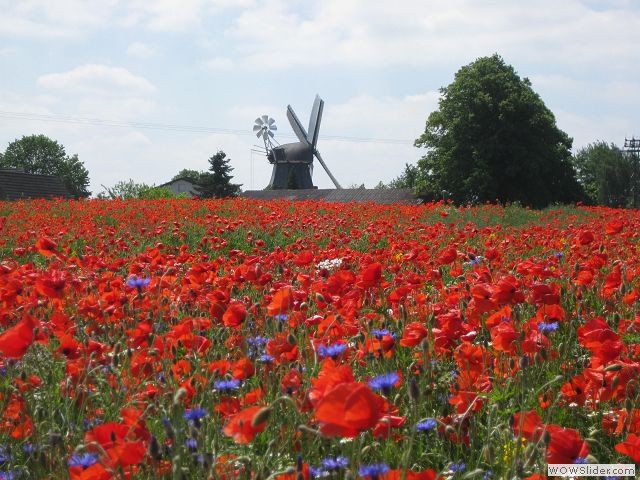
[[142, 89]]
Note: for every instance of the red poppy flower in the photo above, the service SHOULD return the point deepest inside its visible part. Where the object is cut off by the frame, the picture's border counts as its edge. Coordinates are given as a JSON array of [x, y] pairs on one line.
[[413, 334], [94, 472], [585, 238], [504, 338], [235, 314], [15, 341], [330, 376], [348, 409], [630, 447], [447, 256], [429, 474], [281, 302], [52, 284], [240, 427], [566, 445], [46, 246], [612, 282], [597, 336], [242, 369], [614, 226], [529, 425], [118, 441], [370, 276]]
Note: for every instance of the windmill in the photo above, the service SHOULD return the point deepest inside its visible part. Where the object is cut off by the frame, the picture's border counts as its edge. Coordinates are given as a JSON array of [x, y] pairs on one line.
[[293, 162]]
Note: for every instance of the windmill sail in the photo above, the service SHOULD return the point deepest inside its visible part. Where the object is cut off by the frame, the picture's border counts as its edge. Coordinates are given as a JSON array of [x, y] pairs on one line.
[[298, 129], [326, 169], [293, 162], [314, 121]]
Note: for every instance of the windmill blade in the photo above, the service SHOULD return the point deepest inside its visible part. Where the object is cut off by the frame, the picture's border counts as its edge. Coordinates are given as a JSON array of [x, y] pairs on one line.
[[298, 129], [326, 169], [256, 128], [270, 133], [271, 122], [314, 121], [259, 133], [273, 127], [265, 118], [259, 121]]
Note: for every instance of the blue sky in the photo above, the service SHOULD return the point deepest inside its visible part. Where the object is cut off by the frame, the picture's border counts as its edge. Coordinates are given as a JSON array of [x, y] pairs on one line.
[[75, 69]]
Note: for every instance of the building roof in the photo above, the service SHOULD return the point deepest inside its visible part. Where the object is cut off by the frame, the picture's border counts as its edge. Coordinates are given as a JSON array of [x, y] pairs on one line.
[[171, 182], [345, 195], [17, 185]]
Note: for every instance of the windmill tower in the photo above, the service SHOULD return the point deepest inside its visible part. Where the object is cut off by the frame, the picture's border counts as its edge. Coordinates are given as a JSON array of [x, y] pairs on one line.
[[293, 162]]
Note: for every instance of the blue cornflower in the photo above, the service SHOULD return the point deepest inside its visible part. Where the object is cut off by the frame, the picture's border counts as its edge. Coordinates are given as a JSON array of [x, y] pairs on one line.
[[139, 283], [191, 444], [30, 448], [331, 463], [457, 467], [226, 385], [4, 455], [281, 317], [374, 470], [487, 475], [580, 460], [333, 351], [10, 475], [195, 414], [379, 333], [426, 425], [547, 327], [559, 254], [318, 472], [384, 382], [256, 345], [89, 424], [266, 358], [84, 460], [256, 342]]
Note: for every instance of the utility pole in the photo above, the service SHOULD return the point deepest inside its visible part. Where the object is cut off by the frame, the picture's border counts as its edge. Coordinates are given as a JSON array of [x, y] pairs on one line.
[[632, 149]]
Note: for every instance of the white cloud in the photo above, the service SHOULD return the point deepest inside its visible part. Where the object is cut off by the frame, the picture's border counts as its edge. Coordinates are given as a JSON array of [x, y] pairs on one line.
[[167, 15], [61, 18], [219, 63], [141, 50], [418, 32], [96, 78], [587, 129]]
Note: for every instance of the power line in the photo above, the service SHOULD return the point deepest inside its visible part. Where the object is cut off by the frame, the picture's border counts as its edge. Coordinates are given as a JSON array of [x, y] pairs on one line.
[[101, 122]]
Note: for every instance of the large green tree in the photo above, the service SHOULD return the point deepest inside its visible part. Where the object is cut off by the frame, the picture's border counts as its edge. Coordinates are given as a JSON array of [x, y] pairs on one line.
[[188, 174], [608, 175], [42, 155], [493, 138], [216, 183]]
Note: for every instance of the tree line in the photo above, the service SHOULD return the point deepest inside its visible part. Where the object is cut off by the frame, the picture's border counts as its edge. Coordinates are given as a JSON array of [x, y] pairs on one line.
[[39, 154], [491, 139]]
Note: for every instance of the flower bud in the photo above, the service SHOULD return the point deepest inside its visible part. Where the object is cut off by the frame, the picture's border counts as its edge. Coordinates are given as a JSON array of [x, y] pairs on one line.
[[261, 417], [181, 392], [616, 367], [414, 390]]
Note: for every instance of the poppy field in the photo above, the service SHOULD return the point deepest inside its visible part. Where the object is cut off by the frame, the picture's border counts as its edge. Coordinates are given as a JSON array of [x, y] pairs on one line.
[[242, 339]]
